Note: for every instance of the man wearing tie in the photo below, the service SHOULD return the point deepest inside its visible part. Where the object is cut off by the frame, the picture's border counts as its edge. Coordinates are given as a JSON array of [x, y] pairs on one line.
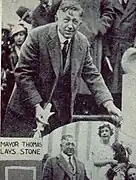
[[52, 61], [65, 166], [118, 39]]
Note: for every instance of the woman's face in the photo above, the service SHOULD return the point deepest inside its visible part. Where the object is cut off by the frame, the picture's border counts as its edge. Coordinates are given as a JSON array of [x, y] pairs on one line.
[[19, 38], [105, 134]]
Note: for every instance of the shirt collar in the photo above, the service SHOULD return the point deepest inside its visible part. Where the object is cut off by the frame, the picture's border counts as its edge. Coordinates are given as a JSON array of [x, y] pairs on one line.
[[66, 157], [62, 38], [44, 5], [124, 1]]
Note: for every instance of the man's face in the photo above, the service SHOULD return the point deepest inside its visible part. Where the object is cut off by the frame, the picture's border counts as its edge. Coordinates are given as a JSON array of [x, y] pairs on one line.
[[68, 24], [19, 38], [105, 134], [132, 174], [28, 17], [68, 146]]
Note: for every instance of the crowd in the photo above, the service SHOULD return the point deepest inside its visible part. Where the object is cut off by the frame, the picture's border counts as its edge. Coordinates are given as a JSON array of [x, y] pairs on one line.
[[114, 32]]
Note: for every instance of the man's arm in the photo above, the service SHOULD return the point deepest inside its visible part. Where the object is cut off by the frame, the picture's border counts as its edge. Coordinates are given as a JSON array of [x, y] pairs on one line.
[[98, 87], [47, 170], [94, 80], [85, 175], [107, 15], [26, 72]]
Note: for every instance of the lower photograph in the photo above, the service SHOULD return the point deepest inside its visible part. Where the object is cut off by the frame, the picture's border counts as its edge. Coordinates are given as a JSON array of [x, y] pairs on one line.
[[82, 150]]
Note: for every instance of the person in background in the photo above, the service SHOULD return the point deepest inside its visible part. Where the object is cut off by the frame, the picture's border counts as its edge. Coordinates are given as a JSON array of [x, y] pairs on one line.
[[121, 154], [102, 154], [131, 172], [65, 165], [25, 15], [52, 61], [116, 41], [18, 35], [5, 65], [44, 13]]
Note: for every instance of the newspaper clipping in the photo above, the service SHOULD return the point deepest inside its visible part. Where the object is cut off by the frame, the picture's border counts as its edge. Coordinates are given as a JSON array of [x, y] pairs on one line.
[[68, 90]]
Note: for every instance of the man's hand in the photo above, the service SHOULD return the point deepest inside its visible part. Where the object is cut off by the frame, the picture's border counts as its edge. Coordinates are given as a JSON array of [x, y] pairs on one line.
[[114, 162], [113, 111], [42, 115]]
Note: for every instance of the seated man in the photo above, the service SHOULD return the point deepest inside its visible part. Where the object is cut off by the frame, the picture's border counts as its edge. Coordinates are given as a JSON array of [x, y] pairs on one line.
[[52, 61]]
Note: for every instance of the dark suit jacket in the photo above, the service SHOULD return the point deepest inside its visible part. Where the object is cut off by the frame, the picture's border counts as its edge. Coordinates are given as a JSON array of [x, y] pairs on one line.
[[41, 16], [56, 168], [39, 68], [118, 39]]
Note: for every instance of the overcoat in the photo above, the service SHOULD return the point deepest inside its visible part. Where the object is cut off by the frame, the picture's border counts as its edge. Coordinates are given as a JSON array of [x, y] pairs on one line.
[[117, 40], [39, 68], [57, 168]]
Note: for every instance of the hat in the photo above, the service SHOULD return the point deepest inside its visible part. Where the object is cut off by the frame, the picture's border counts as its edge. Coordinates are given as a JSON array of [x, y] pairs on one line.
[[129, 61], [5, 27], [16, 29], [21, 11]]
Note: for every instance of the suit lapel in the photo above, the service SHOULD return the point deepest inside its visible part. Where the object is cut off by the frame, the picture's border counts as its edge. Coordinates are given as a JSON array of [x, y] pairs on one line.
[[76, 57], [64, 165], [54, 49], [131, 6], [118, 6], [78, 169]]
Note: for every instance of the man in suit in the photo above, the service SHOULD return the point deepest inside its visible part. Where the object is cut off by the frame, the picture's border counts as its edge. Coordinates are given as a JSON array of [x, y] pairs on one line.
[[118, 39], [43, 14], [65, 166], [98, 18], [52, 61]]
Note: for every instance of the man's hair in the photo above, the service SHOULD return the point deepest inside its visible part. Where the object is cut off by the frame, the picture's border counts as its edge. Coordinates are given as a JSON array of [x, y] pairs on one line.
[[102, 127], [66, 136], [71, 6]]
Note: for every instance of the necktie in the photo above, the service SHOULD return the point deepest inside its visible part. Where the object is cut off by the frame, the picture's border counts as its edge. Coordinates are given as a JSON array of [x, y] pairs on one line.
[[71, 165], [64, 52]]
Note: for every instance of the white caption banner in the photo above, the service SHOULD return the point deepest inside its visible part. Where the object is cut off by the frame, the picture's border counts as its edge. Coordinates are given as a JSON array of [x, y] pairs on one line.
[[21, 149]]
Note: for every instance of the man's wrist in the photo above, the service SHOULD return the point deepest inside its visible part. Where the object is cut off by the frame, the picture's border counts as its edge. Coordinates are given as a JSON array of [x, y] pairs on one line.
[[108, 103], [37, 105]]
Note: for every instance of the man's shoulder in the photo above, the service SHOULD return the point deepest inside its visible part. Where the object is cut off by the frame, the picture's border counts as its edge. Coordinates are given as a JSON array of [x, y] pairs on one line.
[[53, 159], [81, 35], [82, 38], [36, 9], [80, 163], [43, 29]]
